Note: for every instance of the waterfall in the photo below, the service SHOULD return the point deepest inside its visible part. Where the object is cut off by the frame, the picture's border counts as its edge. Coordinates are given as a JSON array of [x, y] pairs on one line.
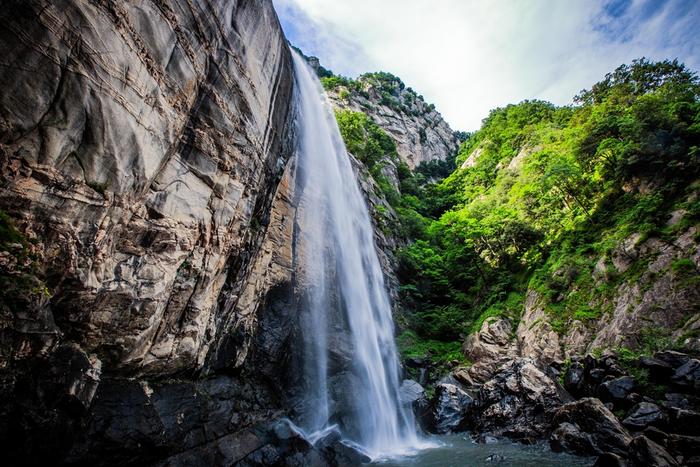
[[351, 367]]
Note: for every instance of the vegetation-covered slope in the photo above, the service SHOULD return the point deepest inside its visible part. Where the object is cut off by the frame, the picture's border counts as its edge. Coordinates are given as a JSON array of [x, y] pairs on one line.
[[570, 203]]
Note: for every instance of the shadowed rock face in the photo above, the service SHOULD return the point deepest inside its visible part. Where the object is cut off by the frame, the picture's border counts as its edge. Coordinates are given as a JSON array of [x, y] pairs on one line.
[[145, 154]]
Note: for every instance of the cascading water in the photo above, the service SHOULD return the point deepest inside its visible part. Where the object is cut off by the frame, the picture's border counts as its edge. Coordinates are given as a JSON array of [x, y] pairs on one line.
[[351, 368]]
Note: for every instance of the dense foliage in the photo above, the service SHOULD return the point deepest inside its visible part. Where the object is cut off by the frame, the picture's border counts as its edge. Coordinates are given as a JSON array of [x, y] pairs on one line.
[[543, 193]]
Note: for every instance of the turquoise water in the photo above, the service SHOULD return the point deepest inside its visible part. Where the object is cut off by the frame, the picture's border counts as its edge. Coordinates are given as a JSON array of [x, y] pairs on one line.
[[460, 450]]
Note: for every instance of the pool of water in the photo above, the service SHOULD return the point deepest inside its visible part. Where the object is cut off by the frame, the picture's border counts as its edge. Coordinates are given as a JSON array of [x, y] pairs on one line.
[[460, 450]]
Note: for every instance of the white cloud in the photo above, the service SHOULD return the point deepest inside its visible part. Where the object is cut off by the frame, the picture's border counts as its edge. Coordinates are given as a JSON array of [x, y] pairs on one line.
[[471, 56]]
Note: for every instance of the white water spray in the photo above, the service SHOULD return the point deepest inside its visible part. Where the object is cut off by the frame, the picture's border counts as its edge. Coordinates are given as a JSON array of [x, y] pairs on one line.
[[346, 292]]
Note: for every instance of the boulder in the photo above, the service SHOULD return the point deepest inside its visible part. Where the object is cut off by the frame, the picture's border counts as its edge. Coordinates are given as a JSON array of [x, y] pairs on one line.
[[687, 376], [450, 406], [536, 337], [597, 375], [593, 418], [411, 392], [416, 362], [616, 390], [574, 378], [643, 415], [644, 452], [672, 358], [413, 395], [658, 369], [464, 377], [489, 348], [680, 401], [516, 402], [568, 437], [344, 454]]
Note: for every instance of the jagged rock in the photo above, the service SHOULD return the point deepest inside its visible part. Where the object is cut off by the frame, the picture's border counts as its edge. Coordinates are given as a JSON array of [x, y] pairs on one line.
[[658, 369], [450, 406], [680, 401], [515, 402], [656, 296], [592, 418], [489, 348], [420, 133], [616, 390], [672, 358], [644, 452], [643, 415], [536, 338], [687, 376], [567, 437], [574, 378], [463, 376]]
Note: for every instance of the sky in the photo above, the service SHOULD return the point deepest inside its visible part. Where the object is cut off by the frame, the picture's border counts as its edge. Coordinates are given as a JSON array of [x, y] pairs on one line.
[[468, 56]]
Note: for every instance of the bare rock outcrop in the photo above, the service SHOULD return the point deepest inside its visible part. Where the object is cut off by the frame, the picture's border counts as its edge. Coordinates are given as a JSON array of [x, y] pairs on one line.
[[489, 348], [536, 338], [420, 133]]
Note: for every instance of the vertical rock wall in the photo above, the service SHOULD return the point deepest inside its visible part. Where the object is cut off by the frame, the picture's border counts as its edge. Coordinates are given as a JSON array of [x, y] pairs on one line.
[[145, 156]]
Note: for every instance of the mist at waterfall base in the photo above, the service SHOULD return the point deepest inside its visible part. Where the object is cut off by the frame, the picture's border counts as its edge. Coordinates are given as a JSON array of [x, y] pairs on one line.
[[351, 366]]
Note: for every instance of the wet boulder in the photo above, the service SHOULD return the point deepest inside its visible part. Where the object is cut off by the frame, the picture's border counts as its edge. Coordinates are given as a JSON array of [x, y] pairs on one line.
[[516, 402], [450, 406], [568, 437], [411, 392], [413, 396], [591, 417], [344, 454]]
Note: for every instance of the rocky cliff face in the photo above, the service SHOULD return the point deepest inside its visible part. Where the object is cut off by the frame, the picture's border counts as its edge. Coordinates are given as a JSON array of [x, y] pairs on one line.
[[420, 133], [145, 165]]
